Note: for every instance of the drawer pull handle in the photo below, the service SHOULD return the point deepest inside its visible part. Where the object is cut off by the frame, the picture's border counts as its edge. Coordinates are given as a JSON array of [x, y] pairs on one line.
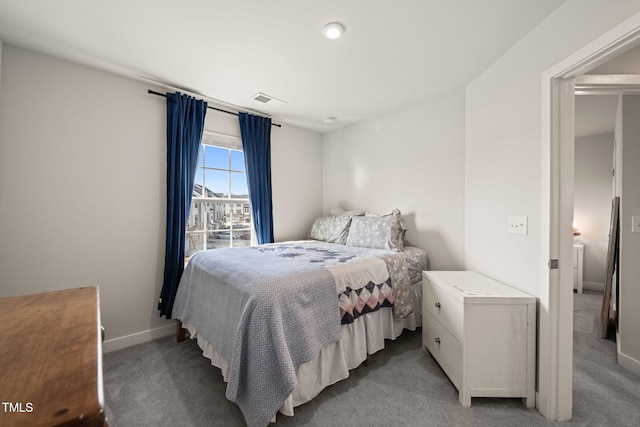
[[438, 305], [437, 340]]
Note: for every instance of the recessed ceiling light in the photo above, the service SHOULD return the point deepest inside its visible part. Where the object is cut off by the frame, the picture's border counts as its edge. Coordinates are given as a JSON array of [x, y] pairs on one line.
[[333, 30], [328, 120]]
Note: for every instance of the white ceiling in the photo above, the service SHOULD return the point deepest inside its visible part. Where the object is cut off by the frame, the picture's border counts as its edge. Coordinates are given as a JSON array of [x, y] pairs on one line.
[[393, 53]]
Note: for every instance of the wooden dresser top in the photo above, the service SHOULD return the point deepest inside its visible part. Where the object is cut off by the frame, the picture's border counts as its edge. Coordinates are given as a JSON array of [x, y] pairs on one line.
[[51, 359]]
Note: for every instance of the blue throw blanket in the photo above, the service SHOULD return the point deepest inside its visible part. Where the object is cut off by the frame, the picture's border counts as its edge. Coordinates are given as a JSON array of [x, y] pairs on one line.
[[264, 314]]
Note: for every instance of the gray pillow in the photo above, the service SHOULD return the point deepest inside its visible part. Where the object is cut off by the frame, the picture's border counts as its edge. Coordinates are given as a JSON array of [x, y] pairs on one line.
[[332, 229], [377, 232]]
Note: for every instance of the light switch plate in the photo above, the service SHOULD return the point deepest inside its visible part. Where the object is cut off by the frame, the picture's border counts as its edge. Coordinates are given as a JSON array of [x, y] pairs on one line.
[[635, 224], [518, 225]]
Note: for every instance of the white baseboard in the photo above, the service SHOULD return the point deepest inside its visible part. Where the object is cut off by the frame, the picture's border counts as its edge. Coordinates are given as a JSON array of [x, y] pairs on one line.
[[629, 363], [138, 338], [593, 286]]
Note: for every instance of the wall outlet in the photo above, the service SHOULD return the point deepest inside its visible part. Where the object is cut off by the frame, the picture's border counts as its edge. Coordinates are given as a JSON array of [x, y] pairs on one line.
[[518, 225], [635, 224]]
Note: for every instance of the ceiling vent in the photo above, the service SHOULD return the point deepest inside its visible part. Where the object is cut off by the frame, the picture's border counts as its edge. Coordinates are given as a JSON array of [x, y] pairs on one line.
[[266, 99]]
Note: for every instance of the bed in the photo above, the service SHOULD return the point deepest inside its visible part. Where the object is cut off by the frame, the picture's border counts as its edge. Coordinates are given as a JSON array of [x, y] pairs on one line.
[[285, 320]]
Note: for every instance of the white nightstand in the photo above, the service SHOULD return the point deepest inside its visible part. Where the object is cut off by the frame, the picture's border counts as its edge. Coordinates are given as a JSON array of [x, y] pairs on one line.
[[482, 333], [578, 266]]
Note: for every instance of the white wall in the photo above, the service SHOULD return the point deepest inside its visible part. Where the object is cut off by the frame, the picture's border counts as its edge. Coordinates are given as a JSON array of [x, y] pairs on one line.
[[413, 160], [593, 191], [504, 169], [503, 153], [629, 316], [82, 186], [296, 177]]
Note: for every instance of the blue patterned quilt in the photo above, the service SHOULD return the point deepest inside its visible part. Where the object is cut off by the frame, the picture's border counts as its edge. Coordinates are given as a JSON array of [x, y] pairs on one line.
[[270, 308], [367, 287]]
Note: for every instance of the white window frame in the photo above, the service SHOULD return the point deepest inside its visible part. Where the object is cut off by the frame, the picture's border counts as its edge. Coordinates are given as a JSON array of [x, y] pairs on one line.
[[233, 143]]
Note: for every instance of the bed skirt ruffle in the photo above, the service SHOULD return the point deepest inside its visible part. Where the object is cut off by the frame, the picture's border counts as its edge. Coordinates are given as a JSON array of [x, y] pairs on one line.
[[359, 339]]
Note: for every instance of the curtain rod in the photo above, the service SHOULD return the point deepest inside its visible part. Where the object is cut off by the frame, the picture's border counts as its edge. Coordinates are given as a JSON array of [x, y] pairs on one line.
[[153, 92]]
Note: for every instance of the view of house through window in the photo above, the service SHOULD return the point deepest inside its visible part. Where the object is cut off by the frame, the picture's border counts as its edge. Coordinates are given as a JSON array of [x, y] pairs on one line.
[[220, 215]]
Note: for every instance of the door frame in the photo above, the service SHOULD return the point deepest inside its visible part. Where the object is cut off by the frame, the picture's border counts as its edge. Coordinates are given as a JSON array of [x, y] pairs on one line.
[[557, 143]]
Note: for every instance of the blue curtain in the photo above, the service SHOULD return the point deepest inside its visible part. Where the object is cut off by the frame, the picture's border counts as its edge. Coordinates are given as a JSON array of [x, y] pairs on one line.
[[185, 123], [256, 143]]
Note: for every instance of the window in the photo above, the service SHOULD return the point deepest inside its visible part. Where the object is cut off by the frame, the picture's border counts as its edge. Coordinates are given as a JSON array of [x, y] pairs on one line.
[[220, 215]]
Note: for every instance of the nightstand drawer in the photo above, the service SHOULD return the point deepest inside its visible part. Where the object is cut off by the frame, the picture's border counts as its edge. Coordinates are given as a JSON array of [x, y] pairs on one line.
[[443, 347], [443, 307]]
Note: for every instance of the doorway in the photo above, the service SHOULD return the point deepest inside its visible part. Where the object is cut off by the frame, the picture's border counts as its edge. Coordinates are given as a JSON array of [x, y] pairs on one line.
[[595, 121], [558, 97]]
